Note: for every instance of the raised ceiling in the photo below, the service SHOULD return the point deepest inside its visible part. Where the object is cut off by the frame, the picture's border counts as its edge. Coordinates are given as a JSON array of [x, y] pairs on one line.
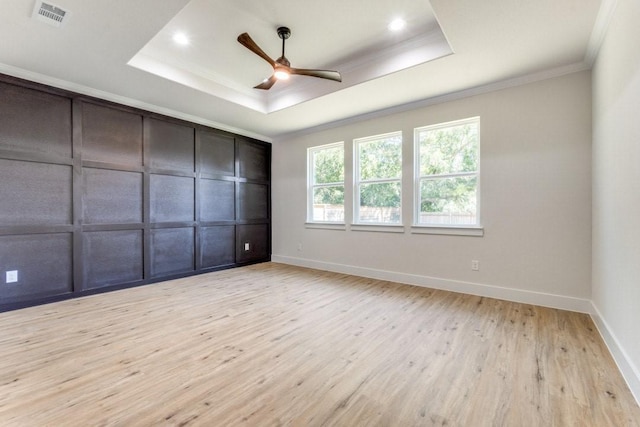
[[358, 44], [210, 81]]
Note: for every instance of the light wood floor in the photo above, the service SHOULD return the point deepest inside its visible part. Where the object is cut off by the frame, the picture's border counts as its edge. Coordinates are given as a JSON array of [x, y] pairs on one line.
[[272, 345]]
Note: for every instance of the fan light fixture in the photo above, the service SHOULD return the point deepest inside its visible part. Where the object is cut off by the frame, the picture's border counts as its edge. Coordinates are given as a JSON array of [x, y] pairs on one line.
[[281, 74], [282, 68]]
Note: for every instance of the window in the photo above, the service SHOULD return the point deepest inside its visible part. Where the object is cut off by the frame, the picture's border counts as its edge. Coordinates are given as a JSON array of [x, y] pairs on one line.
[[378, 179], [447, 165], [325, 191]]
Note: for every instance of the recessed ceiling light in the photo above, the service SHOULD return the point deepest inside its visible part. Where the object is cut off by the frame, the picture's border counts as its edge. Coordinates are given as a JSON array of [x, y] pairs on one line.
[[181, 38], [397, 24]]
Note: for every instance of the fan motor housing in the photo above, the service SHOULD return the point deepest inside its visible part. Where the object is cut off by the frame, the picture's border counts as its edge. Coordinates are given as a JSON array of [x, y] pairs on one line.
[[284, 32]]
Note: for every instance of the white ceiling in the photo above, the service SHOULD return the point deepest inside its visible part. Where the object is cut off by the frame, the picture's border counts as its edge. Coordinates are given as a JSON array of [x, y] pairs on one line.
[[210, 81], [362, 50]]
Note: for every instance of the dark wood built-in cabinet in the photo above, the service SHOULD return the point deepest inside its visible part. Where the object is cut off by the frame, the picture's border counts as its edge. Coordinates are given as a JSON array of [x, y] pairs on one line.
[[96, 196]]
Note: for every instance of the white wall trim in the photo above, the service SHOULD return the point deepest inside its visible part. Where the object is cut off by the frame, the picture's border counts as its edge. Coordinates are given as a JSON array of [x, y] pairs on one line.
[[630, 372], [377, 228], [107, 96], [516, 295], [451, 230], [440, 99], [326, 225], [605, 13]]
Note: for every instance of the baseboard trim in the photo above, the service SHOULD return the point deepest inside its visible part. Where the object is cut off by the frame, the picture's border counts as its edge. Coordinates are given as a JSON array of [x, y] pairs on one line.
[[630, 372], [516, 295]]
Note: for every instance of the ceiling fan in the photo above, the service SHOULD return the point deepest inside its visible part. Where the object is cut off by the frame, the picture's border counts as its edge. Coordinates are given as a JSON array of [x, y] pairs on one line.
[[282, 67]]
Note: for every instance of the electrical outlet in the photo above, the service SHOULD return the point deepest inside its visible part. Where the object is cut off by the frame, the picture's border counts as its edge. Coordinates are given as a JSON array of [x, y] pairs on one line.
[[11, 276], [247, 246], [299, 247], [475, 265]]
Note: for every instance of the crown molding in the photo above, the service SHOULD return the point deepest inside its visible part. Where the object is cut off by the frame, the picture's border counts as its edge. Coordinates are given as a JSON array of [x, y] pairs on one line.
[[107, 96], [605, 13], [440, 99]]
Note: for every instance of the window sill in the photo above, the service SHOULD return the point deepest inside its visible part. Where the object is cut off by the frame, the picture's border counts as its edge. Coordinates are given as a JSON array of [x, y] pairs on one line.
[[476, 231], [326, 225], [381, 228]]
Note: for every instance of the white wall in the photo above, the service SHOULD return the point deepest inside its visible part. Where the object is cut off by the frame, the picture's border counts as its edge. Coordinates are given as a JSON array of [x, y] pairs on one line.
[[536, 200], [616, 189]]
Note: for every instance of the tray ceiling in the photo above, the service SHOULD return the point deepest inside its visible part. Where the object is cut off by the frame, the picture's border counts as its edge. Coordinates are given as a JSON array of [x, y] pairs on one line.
[[211, 80]]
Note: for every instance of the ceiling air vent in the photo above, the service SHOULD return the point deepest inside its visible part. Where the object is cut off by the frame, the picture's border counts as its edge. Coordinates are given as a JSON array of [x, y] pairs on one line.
[[49, 13]]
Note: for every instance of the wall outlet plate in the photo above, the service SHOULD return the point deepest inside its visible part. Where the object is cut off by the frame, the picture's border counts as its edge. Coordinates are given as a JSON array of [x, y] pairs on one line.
[[475, 265], [11, 276], [246, 246]]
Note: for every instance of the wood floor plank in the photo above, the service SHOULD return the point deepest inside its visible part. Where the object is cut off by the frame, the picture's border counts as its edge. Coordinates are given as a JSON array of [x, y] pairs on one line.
[[276, 345]]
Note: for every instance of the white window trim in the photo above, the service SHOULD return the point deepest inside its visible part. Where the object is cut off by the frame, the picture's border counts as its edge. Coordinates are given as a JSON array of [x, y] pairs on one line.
[[310, 186], [445, 229], [356, 224], [326, 225], [448, 230], [378, 227]]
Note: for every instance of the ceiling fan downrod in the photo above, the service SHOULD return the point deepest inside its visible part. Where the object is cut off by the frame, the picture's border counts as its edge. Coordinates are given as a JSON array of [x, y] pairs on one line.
[[284, 33]]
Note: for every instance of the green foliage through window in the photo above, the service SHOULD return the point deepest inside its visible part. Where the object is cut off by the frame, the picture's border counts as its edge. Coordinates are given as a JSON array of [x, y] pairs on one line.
[[328, 165], [326, 180], [329, 195], [381, 158], [449, 150], [448, 159], [379, 178]]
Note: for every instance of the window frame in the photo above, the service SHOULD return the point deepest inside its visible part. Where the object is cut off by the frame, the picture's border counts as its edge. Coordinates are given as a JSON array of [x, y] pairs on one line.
[[357, 224], [475, 229], [311, 186]]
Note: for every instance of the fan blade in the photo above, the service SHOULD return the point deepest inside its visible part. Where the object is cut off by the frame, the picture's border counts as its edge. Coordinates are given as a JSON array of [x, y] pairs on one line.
[[323, 74], [267, 83], [246, 41]]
